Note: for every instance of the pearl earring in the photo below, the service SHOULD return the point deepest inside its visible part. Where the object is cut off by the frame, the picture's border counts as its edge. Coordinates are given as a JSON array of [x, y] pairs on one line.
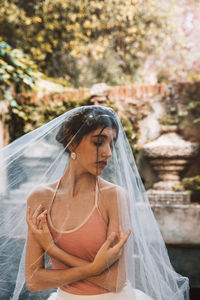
[[73, 155]]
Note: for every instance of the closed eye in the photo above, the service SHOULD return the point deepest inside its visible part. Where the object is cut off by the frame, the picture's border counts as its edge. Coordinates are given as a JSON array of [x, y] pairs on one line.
[[101, 139], [98, 144]]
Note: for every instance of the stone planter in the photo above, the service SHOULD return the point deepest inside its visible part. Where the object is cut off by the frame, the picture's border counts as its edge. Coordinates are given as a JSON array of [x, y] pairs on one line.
[[169, 155]]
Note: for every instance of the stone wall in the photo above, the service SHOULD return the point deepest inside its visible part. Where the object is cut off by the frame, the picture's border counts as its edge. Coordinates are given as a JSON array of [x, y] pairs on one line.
[[116, 92]]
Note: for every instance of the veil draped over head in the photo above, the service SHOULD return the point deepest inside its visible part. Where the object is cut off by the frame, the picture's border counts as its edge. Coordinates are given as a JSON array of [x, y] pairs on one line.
[[40, 158]]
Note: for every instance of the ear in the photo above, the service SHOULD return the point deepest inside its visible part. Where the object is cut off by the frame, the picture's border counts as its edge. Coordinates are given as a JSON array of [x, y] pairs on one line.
[[72, 147]]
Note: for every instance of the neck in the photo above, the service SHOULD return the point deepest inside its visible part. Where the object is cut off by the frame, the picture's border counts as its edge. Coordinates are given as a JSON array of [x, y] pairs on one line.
[[76, 179]]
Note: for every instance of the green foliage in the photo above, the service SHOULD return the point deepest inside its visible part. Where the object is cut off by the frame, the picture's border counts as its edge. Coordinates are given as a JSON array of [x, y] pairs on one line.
[[191, 111], [16, 69], [89, 41], [23, 118], [193, 108], [192, 183], [131, 130], [170, 120], [182, 107]]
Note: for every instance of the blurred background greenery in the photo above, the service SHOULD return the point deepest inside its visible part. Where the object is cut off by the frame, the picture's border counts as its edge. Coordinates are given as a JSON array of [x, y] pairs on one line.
[[83, 42]]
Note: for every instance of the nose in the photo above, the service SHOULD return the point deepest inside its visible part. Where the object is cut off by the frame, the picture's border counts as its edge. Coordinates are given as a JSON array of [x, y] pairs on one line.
[[107, 151]]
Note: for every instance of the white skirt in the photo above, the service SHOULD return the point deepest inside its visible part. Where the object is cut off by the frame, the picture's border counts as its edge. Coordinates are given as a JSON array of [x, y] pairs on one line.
[[125, 294]]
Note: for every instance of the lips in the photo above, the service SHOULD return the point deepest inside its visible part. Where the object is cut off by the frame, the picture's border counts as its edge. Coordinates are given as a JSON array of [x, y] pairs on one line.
[[102, 163]]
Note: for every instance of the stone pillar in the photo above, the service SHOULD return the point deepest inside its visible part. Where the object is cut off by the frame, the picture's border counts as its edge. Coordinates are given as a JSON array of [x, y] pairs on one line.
[[177, 217], [99, 94], [169, 155]]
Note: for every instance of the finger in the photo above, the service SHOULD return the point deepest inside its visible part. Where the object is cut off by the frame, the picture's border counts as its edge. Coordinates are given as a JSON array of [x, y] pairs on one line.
[[125, 237], [123, 240], [121, 235], [110, 240], [44, 220], [40, 219], [41, 215], [36, 214], [37, 210], [32, 227]]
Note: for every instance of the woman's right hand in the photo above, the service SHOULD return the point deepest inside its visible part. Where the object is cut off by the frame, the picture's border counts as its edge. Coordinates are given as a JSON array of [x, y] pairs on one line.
[[37, 224], [109, 254]]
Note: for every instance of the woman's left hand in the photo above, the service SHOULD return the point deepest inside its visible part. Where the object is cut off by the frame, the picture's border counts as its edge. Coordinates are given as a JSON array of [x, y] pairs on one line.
[[37, 224]]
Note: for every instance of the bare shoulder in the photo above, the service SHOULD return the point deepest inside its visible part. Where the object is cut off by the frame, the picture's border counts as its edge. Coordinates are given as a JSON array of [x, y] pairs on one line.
[[111, 193], [42, 194]]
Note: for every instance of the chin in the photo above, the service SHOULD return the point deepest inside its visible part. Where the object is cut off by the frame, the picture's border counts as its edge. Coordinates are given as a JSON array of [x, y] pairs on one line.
[[97, 172]]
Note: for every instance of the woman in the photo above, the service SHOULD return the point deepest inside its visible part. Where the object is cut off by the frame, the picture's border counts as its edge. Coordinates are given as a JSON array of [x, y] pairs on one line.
[[74, 210], [89, 189]]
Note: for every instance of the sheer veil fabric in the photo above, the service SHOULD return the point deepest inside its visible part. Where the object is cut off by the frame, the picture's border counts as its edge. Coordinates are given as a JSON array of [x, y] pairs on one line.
[[40, 158]]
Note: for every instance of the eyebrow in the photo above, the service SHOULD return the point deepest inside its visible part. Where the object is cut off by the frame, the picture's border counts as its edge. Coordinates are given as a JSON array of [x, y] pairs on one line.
[[103, 136]]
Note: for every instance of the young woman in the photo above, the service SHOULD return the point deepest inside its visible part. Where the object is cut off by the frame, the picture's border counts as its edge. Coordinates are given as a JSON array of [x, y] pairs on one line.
[[80, 211], [88, 211]]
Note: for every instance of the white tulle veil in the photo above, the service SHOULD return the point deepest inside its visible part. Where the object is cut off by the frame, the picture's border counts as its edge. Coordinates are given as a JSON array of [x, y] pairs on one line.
[[38, 158]]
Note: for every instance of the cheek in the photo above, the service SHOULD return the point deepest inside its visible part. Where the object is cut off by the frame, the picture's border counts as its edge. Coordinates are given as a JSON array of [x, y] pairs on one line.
[[87, 154]]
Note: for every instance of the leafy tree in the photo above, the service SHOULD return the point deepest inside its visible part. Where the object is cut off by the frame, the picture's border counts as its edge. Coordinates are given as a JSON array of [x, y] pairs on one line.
[[86, 41], [16, 70]]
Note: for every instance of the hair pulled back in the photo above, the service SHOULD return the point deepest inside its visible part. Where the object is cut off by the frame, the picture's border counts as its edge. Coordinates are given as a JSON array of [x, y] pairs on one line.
[[83, 121]]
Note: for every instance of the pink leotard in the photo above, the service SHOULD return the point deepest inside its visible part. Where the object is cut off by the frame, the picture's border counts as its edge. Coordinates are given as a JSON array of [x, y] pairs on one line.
[[84, 242]]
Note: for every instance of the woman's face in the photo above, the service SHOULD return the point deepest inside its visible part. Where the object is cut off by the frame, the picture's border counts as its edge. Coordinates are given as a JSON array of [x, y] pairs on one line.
[[95, 149]]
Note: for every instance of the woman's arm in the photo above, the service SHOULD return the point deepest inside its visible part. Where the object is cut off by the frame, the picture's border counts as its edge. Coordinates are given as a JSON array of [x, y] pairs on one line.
[[108, 279], [39, 278]]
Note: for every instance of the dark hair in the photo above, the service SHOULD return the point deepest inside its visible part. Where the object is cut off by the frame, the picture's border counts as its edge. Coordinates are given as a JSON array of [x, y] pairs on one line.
[[85, 120]]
